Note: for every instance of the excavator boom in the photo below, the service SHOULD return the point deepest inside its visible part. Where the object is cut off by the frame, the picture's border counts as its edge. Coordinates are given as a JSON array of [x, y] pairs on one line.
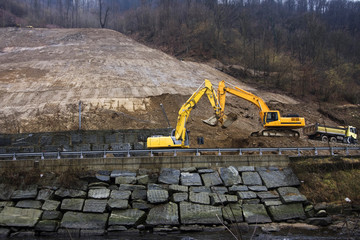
[[179, 136]]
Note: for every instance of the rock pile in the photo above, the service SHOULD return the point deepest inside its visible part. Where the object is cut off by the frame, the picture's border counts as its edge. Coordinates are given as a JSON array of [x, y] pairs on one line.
[[189, 199]]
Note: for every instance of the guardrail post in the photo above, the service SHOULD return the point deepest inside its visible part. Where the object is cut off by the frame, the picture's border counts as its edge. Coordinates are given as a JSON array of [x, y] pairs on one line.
[[81, 155], [14, 157], [332, 151], [347, 151], [299, 153], [219, 153], [128, 154], [42, 156], [197, 152], [240, 152], [58, 156], [151, 154], [316, 151], [260, 151], [175, 153], [279, 151], [104, 153]]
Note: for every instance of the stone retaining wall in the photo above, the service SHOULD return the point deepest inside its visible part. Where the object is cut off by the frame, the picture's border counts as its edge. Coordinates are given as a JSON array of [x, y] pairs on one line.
[[189, 199], [99, 140]]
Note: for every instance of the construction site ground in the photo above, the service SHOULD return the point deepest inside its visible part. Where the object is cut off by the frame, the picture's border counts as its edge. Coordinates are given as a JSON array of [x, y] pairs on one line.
[[45, 73]]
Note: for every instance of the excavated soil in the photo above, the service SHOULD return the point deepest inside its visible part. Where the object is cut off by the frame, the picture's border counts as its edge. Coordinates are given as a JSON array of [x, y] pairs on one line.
[[44, 73]]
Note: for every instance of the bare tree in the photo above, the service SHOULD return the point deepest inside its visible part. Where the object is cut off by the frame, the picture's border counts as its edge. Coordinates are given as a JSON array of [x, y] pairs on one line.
[[103, 22]]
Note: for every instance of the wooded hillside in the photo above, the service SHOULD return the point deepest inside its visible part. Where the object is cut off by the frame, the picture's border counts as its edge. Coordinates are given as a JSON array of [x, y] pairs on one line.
[[308, 48]]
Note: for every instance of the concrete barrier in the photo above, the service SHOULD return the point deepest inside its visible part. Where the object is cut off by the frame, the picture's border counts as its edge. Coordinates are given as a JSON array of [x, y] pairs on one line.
[[158, 162]]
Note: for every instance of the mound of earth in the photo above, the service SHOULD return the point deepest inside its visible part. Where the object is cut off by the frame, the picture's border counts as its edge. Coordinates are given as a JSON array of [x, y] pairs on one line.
[[45, 73]]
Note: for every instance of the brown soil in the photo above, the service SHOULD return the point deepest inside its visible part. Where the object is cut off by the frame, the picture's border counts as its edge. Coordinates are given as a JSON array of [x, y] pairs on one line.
[[44, 73]]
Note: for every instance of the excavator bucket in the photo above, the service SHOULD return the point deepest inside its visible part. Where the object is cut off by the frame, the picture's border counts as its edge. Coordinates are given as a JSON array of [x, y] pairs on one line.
[[228, 120], [212, 121]]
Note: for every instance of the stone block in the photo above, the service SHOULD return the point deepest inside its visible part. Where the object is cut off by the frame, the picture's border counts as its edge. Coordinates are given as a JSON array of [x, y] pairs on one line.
[[103, 178], [268, 195], [178, 188], [117, 203], [6, 191], [51, 215], [72, 204], [246, 195], [70, 193], [6, 204], [222, 199], [122, 173], [19, 217], [143, 179], [191, 213], [95, 205], [255, 213], [238, 188], [246, 169], [200, 189], [272, 202], [211, 179], [251, 178], [205, 170], [219, 189], [180, 197], [99, 193], [287, 211], [190, 179], [130, 187], [29, 204], [319, 221], [117, 194], [141, 204], [99, 185], [50, 205], [128, 217], [153, 186], [258, 188], [157, 196], [230, 176], [30, 192], [202, 197], [166, 214], [125, 180], [290, 195], [233, 213], [188, 169], [139, 194], [275, 179], [79, 220], [4, 233], [47, 226], [45, 194], [169, 176]]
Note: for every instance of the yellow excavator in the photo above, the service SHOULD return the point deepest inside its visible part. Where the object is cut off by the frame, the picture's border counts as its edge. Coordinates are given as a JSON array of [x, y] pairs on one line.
[[272, 121], [179, 136]]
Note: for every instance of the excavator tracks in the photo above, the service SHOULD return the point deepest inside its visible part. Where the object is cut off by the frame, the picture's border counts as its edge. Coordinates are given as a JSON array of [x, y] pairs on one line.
[[276, 133]]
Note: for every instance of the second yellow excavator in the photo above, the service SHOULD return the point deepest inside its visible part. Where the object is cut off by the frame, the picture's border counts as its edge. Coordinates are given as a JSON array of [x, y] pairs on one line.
[[179, 137], [272, 121]]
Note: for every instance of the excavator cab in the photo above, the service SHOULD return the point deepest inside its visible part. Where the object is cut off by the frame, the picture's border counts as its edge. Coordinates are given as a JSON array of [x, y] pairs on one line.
[[271, 117]]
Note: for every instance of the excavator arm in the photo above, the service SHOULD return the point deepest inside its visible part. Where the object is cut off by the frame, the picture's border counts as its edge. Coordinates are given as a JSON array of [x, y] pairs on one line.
[[179, 137]]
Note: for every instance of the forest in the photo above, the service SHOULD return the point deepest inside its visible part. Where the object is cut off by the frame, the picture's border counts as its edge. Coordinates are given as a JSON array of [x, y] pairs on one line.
[[306, 48]]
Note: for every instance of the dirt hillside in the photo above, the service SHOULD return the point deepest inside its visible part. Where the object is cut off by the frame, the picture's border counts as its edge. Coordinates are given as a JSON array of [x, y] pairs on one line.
[[44, 73]]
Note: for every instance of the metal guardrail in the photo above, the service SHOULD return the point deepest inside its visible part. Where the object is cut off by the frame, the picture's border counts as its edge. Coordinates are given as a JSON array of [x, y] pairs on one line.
[[314, 151]]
